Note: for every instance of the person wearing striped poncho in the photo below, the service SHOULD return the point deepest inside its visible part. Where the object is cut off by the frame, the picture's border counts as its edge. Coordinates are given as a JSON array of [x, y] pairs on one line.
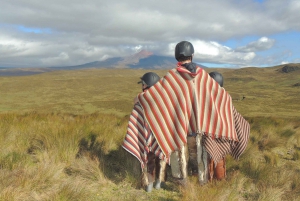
[[140, 142], [188, 102]]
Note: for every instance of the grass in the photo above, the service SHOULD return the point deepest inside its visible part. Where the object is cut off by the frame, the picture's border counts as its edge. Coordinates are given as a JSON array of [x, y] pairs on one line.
[[267, 92], [76, 92], [60, 137]]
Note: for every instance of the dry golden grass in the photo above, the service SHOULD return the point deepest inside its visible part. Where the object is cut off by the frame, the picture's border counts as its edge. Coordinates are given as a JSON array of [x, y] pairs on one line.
[[75, 92], [267, 92], [60, 137]]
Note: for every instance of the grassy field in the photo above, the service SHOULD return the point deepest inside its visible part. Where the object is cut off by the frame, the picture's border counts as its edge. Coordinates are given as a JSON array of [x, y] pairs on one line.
[[60, 137]]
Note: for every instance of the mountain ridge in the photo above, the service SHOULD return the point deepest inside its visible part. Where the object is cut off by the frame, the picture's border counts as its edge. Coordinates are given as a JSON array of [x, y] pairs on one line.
[[141, 60]]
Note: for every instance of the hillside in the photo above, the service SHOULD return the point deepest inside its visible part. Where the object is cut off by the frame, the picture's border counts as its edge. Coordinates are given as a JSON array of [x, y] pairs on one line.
[[61, 134], [267, 91]]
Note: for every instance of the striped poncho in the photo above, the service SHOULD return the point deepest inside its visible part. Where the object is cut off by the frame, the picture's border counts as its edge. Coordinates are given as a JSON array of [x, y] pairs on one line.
[[183, 103], [139, 140], [219, 148]]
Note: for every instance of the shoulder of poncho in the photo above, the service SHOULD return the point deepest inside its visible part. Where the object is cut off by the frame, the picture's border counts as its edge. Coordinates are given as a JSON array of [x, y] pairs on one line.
[[173, 70], [137, 106]]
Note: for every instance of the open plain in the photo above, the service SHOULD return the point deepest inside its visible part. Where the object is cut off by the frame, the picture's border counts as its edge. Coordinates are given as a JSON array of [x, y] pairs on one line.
[[61, 131]]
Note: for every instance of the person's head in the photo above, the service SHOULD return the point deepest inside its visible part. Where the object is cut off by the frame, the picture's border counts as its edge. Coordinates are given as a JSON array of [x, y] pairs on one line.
[[217, 77], [148, 80], [184, 51]]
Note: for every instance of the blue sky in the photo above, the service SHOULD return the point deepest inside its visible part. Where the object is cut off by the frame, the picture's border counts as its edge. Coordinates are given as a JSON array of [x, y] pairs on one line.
[[21, 28], [227, 33]]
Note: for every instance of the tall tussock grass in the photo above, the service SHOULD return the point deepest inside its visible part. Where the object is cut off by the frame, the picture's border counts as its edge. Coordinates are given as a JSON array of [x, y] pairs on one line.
[[42, 156], [79, 157], [268, 169]]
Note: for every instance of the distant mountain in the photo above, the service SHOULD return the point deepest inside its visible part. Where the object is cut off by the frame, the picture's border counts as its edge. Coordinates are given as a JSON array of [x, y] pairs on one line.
[[23, 71], [111, 62], [142, 59], [155, 61], [135, 59]]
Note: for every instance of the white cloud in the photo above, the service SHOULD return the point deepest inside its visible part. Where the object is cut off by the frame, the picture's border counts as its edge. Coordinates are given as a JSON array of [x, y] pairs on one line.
[[56, 60], [284, 62], [101, 29], [263, 43], [206, 48], [214, 52]]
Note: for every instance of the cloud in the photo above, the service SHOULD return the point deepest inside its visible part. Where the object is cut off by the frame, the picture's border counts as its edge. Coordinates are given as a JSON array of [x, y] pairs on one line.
[[63, 56], [262, 44], [213, 52], [38, 32]]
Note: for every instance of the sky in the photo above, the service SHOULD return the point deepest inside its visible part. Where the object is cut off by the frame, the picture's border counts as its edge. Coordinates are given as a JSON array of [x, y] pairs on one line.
[[227, 33]]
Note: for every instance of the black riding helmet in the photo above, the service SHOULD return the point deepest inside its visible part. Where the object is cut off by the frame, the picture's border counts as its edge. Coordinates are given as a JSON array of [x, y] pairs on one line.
[[150, 79], [184, 49], [217, 77]]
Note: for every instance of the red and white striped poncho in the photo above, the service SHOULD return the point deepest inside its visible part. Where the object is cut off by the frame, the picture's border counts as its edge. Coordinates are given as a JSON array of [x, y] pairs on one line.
[[182, 103], [139, 140], [219, 148]]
